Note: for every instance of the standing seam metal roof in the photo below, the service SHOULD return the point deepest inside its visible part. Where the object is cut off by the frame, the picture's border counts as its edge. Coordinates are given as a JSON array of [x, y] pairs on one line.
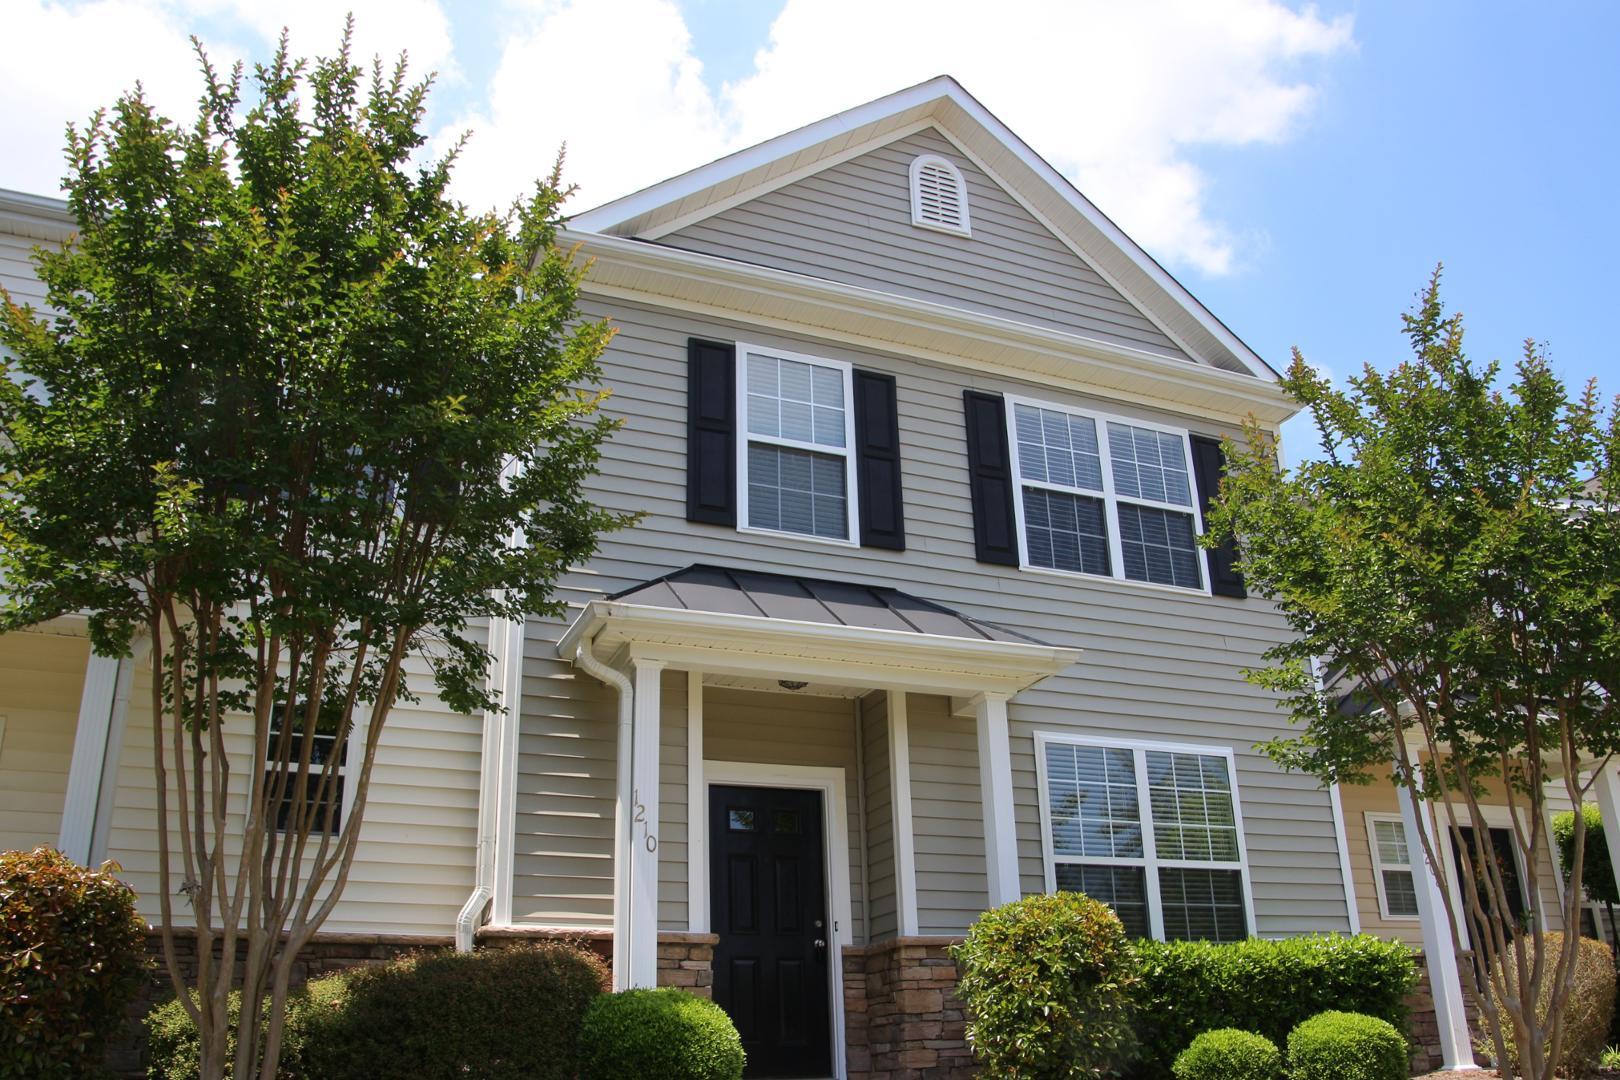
[[721, 590]]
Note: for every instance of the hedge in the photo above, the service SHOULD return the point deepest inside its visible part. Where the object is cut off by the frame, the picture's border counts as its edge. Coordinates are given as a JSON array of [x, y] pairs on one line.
[[72, 958], [1267, 987], [1346, 1046], [668, 1033], [498, 1014], [1588, 1012]]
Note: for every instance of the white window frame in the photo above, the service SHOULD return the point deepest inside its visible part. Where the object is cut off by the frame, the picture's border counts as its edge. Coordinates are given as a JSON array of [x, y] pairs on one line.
[[1378, 867], [847, 451], [1110, 499], [1150, 860], [921, 162]]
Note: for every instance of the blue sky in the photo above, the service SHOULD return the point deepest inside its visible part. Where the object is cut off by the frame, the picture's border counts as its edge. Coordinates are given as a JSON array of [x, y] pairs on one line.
[[1300, 168]]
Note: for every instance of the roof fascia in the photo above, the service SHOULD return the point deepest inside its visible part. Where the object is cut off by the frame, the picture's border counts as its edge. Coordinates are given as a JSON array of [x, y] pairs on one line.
[[606, 217], [615, 625], [776, 299]]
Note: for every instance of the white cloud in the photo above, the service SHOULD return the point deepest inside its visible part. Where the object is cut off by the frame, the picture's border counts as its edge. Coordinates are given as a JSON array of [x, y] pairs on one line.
[[61, 61], [1113, 94]]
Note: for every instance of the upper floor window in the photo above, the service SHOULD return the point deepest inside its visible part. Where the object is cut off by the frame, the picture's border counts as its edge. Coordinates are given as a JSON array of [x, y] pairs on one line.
[[938, 195], [1104, 496], [1153, 831], [796, 460]]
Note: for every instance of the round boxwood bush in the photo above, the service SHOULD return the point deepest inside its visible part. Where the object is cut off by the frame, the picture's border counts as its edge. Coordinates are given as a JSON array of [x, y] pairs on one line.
[[1588, 1011], [1346, 1046], [1229, 1054], [666, 1033], [72, 958], [1047, 983]]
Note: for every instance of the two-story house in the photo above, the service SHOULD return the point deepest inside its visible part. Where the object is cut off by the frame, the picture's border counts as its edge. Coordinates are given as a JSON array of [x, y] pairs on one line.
[[914, 622]]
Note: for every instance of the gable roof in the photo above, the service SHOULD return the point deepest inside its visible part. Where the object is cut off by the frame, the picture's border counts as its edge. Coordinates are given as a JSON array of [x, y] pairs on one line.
[[941, 103]]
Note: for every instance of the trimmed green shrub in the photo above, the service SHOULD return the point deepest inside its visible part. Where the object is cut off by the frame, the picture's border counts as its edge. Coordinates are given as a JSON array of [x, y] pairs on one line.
[[1047, 983], [172, 1046], [666, 1033], [497, 1014], [1229, 1054], [1588, 1012], [1187, 987], [72, 958], [1346, 1046]]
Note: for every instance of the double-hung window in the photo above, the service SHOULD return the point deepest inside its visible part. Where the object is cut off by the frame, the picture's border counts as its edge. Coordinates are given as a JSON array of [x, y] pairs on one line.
[[796, 461], [1104, 496], [328, 811], [1153, 831], [1392, 866]]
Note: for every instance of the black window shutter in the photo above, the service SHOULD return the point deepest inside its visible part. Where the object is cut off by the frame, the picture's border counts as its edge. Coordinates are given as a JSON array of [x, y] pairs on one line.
[[711, 431], [1208, 465], [877, 461], [995, 533]]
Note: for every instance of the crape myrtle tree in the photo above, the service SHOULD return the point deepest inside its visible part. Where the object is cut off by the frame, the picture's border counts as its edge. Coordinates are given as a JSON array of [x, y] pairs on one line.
[[297, 417], [1454, 553]]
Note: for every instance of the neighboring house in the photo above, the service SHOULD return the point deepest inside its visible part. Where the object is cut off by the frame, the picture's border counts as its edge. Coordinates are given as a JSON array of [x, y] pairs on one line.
[[913, 624]]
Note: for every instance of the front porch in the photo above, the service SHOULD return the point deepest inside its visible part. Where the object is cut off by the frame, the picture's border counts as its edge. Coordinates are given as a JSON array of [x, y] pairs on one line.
[[812, 806]]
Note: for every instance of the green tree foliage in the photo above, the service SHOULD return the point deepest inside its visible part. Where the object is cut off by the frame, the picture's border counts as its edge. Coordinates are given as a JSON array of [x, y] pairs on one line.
[[1598, 878], [72, 958], [294, 417], [1453, 557]]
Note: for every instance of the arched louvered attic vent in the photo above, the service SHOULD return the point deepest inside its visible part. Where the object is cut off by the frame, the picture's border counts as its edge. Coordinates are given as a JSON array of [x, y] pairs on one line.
[[938, 195]]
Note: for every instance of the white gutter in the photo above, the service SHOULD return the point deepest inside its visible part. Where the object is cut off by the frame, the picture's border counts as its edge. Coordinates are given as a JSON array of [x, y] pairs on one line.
[[619, 681]]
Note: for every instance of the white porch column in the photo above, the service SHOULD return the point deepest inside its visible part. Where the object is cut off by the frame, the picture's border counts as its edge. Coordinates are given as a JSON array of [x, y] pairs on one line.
[[1606, 786], [97, 717], [643, 935], [1445, 982], [995, 790], [697, 810], [905, 850]]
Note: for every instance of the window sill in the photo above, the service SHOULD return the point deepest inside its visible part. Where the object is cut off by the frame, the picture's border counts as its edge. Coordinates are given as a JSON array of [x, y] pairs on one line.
[[1100, 579], [782, 534]]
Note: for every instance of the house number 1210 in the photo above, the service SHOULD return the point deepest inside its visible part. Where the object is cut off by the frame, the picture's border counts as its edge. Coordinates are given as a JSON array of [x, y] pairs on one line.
[[641, 819]]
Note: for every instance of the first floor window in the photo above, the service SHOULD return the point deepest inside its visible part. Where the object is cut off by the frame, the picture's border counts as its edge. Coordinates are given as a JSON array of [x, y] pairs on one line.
[[1392, 866], [798, 468], [1105, 497], [329, 809], [1150, 831]]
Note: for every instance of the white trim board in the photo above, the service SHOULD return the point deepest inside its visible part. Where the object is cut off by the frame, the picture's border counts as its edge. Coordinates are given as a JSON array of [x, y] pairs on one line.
[[830, 782]]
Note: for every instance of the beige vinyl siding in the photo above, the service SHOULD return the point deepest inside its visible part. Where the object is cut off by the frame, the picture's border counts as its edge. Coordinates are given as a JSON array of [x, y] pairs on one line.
[[414, 865], [1156, 663], [947, 816], [879, 815], [791, 729], [41, 680], [17, 268], [563, 849], [852, 223]]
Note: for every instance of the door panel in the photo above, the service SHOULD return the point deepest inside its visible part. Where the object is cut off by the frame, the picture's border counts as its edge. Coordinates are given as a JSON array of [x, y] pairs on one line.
[[769, 908]]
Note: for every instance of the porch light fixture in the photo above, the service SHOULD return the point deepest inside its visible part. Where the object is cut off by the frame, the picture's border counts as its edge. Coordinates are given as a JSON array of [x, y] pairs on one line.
[[791, 684]]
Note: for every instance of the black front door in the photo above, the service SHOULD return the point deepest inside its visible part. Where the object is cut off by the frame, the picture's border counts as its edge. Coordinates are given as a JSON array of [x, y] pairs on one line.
[[768, 891]]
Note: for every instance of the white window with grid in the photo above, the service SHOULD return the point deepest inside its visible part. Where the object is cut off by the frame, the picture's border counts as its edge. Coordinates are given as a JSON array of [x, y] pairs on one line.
[[1392, 866], [796, 464], [1153, 831], [1103, 496]]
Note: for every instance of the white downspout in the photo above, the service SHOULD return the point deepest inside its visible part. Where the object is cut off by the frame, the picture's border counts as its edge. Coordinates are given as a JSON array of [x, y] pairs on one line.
[[588, 662], [491, 773]]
